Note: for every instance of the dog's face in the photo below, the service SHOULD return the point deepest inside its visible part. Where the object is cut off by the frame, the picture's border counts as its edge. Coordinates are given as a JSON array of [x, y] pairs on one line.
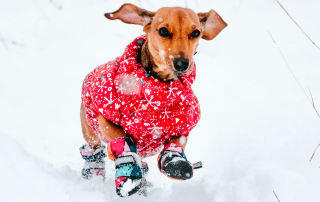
[[173, 35]]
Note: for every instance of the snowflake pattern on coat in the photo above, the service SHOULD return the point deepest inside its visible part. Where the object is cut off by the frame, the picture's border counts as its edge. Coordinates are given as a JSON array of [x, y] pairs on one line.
[[151, 111]]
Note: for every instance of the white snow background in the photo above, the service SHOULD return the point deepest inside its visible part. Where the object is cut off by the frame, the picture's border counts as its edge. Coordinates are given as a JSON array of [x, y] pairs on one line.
[[256, 134]]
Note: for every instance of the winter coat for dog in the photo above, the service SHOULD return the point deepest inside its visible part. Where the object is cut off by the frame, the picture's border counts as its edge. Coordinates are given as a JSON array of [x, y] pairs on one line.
[[151, 111]]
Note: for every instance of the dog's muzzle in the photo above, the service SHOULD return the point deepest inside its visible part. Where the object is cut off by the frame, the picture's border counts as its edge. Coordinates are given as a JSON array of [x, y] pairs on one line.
[[181, 64]]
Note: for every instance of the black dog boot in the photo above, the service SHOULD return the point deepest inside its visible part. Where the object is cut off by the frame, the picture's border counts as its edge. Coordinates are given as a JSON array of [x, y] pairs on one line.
[[173, 162], [94, 165]]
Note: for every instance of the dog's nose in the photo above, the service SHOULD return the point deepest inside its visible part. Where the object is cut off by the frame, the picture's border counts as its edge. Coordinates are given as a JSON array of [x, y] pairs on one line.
[[181, 64]]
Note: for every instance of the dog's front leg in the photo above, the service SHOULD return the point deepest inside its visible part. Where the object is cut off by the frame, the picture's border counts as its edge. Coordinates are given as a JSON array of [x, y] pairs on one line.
[[180, 141], [173, 162]]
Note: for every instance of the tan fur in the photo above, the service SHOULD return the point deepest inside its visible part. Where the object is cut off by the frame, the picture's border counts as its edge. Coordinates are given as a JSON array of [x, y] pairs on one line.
[[180, 22]]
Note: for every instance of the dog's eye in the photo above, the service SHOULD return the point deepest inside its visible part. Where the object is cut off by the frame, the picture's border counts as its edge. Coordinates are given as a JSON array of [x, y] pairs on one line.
[[195, 34], [164, 32]]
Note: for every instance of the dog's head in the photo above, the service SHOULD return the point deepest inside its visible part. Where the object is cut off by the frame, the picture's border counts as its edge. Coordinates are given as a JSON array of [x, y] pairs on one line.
[[173, 35]]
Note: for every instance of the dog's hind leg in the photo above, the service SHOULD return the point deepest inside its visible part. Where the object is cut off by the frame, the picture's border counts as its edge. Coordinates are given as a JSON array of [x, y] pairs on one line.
[[93, 153], [109, 130], [129, 170], [89, 135]]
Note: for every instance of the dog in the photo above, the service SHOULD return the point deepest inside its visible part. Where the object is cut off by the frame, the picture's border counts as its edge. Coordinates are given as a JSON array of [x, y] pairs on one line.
[[143, 101]]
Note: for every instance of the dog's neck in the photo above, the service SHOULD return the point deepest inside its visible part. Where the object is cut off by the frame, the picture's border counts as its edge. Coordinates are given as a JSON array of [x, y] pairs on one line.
[[147, 61], [146, 58]]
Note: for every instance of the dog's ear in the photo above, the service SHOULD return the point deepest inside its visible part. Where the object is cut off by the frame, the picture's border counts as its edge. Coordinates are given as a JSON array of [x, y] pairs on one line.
[[212, 24], [131, 14]]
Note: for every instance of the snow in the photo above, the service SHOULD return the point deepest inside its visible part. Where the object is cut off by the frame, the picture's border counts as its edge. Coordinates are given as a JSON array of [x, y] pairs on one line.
[[129, 85], [128, 186], [256, 134], [182, 140], [162, 53]]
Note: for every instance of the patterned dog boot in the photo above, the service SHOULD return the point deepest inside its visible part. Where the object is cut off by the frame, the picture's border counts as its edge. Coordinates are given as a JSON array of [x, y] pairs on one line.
[[129, 172], [173, 162], [94, 164]]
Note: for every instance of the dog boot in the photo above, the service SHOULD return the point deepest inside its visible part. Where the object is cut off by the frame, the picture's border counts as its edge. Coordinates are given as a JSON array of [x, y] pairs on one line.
[[173, 162], [91, 169], [94, 164], [129, 172]]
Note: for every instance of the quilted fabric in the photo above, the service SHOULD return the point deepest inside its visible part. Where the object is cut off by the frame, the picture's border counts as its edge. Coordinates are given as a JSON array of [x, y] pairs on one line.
[[151, 111]]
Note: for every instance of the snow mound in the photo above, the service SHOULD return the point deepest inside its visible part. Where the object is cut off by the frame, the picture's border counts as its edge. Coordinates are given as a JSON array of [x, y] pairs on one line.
[[257, 130]]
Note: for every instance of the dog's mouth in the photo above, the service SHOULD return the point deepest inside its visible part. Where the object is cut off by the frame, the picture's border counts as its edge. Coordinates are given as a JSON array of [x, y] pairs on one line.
[[174, 75], [168, 72], [178, 73]]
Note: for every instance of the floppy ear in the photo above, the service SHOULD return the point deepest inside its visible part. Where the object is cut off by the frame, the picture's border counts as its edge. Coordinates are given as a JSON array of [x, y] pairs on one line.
[[131, 14], [212, 24]]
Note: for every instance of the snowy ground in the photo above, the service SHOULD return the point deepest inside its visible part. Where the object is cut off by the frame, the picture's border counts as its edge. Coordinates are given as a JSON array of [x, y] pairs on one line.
[[257, 131]]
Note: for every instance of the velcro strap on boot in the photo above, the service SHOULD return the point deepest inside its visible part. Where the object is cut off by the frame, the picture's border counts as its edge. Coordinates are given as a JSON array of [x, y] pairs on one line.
[[128, 158], [95, 165], [168, 153], [124, 160], [92, 155]]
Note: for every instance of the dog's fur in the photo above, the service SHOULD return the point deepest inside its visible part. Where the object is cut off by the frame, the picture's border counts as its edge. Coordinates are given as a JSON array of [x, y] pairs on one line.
[[158, 53]]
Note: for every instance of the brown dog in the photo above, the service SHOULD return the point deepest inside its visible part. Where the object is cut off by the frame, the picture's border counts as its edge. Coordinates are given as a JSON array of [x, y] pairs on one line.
[[173, 35], [167, 54]]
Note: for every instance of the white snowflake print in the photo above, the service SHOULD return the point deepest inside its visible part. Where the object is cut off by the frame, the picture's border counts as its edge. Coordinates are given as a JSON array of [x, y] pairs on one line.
[[166, 113], [171, 90], [121, 88], [157, 103], [156, 131], [101, 86], [110, 101]]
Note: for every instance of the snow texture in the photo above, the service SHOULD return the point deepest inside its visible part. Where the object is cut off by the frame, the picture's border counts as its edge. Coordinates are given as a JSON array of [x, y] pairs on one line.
[[256, 134]]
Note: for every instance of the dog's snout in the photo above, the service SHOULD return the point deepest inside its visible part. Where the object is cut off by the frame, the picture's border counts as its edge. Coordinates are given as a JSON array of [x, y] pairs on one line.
[[181, 64]]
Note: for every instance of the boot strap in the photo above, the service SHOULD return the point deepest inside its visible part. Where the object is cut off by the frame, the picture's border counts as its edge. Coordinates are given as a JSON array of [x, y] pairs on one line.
[[128, 158], [124, 160], [168, 153]]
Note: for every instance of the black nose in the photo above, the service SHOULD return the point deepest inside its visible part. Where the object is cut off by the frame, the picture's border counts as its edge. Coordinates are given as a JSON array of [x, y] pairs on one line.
[[181, 64]]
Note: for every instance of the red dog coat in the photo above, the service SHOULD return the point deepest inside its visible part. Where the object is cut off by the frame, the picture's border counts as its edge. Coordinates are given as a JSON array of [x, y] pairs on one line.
[[149, 110]]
